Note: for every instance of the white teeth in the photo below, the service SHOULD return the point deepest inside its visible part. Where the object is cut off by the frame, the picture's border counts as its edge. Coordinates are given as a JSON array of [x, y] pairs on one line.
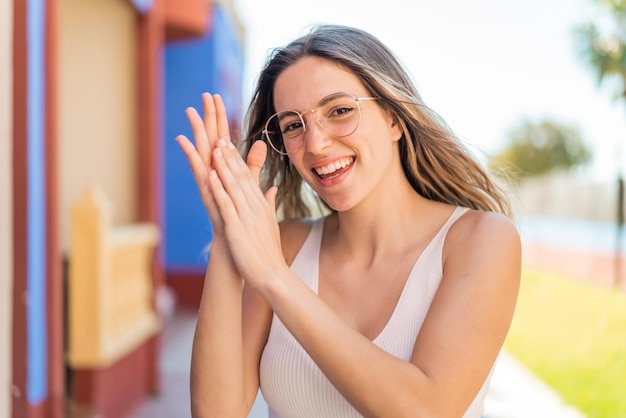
[[332, 167]]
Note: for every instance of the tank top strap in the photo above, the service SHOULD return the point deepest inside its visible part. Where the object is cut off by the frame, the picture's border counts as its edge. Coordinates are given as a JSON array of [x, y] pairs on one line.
[[417, 294], [435, 247], [456, 214], [306, 262]]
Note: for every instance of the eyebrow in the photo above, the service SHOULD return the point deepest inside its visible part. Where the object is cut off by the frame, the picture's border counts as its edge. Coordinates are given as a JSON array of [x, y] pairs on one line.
[[322, 101], [282, 114]]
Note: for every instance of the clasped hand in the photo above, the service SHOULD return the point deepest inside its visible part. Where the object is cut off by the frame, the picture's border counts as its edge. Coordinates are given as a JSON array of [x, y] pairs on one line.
[[241, 214]]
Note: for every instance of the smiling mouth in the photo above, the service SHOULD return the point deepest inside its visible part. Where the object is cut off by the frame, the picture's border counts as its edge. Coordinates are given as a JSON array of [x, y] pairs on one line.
[[334, 169]]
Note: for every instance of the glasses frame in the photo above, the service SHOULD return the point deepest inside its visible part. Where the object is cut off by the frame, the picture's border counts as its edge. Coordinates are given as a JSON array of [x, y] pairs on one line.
[[266, 132]]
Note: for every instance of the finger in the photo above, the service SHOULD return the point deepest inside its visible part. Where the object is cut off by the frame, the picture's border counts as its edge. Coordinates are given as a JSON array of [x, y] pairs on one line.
[[199, 133], [198, 170], [221, 118], [238, 181], [223, 200], [245, 177], [210, 124], [256, 158], [195, 162], [270, 197], [233, 178]]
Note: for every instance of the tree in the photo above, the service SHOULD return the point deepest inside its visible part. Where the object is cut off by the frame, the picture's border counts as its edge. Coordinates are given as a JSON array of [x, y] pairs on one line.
[[536, 148], [604, 49]]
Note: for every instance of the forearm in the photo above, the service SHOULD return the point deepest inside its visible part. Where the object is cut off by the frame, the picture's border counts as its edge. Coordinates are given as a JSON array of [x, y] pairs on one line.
[[217, 370]]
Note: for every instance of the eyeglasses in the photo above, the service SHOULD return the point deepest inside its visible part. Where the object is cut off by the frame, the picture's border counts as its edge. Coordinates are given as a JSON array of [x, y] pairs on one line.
[[338, 115]]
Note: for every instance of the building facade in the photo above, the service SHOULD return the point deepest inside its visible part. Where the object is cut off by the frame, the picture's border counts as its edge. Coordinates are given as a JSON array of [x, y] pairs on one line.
[[82, 103]]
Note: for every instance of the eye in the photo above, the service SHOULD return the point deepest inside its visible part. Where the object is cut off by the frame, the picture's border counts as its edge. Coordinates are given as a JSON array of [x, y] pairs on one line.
[[341, 107], [291, 128], [289, 123], [341, 111]]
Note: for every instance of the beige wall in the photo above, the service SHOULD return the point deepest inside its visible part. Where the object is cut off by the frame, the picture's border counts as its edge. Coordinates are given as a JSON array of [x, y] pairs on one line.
[[97, 95], [6, 199]]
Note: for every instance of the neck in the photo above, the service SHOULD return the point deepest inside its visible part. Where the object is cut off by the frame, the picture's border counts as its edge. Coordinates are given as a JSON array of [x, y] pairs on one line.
[[382, 225]]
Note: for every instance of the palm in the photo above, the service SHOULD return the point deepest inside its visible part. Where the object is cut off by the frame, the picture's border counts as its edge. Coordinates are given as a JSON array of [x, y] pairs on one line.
[[605, 51]]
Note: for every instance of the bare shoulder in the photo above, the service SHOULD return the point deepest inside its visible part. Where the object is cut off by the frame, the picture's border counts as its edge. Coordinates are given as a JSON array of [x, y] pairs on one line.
[[477, 226], [293, 233], [479, 239]]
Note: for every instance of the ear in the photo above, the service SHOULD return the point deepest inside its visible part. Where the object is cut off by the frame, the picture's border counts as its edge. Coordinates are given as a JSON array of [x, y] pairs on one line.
[[395, 127]]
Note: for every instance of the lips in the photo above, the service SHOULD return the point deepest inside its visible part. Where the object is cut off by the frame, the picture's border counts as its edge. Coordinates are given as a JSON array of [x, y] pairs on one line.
[[333, 169]]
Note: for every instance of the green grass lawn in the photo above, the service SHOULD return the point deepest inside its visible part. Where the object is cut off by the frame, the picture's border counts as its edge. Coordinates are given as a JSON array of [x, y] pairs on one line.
[[573, 336]]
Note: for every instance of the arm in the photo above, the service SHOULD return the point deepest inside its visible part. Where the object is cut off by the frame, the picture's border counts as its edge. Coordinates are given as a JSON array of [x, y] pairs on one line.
[[231, 332], [457, 345], [232, 325], [230, 335], [217, 353], [459, 340]]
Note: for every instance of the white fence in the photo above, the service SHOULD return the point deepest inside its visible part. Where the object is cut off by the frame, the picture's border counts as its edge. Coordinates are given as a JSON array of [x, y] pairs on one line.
[[568, 195]]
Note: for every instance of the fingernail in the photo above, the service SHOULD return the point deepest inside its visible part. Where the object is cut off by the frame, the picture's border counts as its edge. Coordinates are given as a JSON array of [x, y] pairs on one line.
[[221, 142], [218, 152]]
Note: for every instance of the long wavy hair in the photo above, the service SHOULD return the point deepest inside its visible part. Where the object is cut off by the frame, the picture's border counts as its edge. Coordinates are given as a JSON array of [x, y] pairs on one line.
[[436, 163]]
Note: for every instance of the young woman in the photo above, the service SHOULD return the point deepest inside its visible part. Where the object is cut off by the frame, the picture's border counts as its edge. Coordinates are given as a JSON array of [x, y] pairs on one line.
[[397, 301]]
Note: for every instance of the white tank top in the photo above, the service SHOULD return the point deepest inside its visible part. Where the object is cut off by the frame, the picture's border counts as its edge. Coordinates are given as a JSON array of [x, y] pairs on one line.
[[292, 384]]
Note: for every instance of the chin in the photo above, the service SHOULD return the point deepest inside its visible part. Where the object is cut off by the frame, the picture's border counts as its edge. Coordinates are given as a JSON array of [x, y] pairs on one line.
[[338, 206]]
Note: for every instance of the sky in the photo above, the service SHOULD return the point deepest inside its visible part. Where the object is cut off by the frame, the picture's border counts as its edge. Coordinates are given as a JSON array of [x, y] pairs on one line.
[[483, 65]]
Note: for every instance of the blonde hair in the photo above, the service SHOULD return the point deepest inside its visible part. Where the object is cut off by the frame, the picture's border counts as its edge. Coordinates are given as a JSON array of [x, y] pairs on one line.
[[436, 163]]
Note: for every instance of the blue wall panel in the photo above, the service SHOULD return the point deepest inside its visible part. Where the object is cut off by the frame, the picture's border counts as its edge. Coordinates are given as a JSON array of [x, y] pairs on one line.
[[36, 280], [143, 5], [211, 64]]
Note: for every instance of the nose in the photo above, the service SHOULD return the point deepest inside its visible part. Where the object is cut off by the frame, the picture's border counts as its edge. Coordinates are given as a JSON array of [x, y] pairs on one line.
[[315, 138]]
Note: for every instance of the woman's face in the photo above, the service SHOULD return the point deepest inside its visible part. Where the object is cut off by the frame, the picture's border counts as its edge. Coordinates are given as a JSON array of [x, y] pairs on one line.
[[342, 170]]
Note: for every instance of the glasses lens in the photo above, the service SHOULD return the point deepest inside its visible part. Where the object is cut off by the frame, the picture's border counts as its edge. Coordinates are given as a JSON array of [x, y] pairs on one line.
[[284, 131], [339, 115]]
